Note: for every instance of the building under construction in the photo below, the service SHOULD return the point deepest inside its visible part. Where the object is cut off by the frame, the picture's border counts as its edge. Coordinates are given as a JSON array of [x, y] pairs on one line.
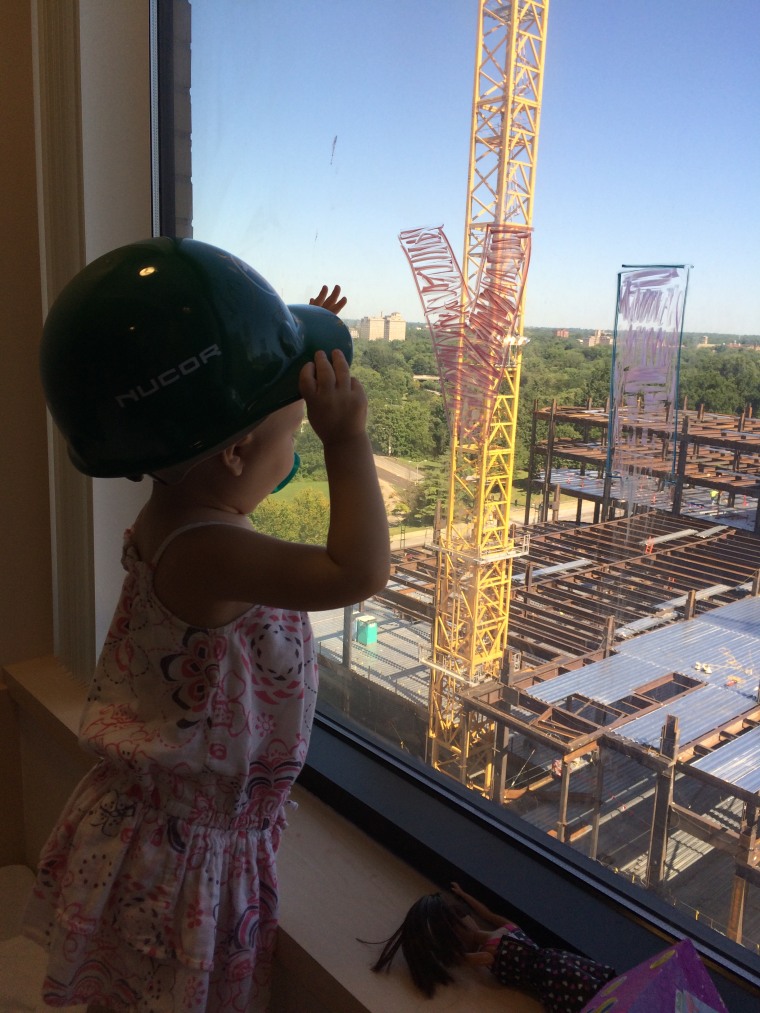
[[626, 717], [712, 464], [597, 679]]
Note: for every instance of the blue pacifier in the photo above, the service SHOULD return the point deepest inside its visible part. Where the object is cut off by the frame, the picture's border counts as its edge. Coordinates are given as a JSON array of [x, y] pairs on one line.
[[290, 474]]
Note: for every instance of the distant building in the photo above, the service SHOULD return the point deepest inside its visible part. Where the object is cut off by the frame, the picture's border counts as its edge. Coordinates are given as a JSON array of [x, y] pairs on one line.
[[372, 328], [395, 327], [743, 345], [562, 333], [599, 338], [387, 328]]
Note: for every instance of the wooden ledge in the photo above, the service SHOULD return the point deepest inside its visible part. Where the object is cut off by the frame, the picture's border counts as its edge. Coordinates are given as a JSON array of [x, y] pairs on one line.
[[337, 887], [46, 691]]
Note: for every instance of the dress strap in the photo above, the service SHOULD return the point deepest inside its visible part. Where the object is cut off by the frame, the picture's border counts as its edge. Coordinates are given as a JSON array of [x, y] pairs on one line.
[[180, 531]]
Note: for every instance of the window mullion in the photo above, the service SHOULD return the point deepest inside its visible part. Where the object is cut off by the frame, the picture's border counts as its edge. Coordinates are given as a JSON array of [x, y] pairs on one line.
[[60, 192]]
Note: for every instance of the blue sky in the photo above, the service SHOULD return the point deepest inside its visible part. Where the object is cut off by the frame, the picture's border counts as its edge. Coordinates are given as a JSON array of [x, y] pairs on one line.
[[323, 128]]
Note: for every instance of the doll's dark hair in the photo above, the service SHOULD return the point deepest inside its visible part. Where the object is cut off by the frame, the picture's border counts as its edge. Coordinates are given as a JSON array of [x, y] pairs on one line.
[[430, 941]]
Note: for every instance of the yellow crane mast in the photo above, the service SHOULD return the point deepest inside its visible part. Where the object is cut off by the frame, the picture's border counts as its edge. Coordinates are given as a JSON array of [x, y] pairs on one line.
[[475, 544]]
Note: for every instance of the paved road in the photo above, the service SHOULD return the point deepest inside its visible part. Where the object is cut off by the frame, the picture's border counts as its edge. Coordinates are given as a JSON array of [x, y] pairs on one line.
[[413, 537], [391, 470]]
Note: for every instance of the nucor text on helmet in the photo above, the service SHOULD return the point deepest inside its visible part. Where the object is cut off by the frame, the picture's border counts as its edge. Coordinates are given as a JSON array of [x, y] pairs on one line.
[[168, 377]]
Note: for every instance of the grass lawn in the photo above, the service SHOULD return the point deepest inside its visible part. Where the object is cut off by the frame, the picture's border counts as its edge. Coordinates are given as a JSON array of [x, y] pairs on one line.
[[293, 488], [302, 484]]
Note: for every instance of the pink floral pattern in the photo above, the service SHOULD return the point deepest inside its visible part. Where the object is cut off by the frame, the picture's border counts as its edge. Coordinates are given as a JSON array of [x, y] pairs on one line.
[[157, 890]]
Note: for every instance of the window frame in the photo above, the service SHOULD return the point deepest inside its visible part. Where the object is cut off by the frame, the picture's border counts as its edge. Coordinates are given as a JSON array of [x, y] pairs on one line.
[[559, 896]]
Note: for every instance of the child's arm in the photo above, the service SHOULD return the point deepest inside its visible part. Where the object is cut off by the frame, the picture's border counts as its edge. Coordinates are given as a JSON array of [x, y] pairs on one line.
[[357, 540], [490, 917], [227, 566]]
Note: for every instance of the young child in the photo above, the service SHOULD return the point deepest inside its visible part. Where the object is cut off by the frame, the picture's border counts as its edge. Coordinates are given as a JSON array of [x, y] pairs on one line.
[[438, 934], [157, 890]]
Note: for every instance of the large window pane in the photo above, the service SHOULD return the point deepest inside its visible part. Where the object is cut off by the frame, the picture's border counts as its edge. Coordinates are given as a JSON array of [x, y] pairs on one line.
[[622, 719]]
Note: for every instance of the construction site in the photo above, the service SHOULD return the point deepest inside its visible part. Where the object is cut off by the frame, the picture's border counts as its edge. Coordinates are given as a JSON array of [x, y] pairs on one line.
[[625, 720], [704, 462], [592, 667]]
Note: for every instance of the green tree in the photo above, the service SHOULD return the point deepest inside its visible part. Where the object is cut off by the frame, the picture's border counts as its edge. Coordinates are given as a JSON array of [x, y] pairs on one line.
[[408, 427], [379, 356], [309, 449], [382, 425], [725, 380], [419, 354], [304, 518], [427, 493]]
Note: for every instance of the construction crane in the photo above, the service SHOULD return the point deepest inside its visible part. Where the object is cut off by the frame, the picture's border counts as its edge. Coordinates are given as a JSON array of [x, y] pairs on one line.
[[475, 318]]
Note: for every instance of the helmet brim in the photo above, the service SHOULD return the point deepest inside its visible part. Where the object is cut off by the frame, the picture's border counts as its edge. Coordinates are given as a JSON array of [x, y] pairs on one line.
[[322, 331]]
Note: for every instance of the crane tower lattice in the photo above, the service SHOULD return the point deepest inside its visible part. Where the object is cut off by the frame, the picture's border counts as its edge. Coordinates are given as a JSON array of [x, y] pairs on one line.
[[475, 320]]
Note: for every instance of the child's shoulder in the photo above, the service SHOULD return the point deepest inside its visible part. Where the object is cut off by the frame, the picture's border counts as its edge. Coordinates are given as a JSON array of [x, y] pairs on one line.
[[205, 570], [153, 532]]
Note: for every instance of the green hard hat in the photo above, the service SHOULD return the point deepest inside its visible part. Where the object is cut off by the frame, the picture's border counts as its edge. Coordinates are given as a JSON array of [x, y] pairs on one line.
[[167, 349]]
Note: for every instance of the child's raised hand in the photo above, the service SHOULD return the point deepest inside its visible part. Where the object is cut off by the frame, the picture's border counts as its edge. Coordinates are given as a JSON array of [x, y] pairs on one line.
[[336, 403], [355, 562], [332, 302]]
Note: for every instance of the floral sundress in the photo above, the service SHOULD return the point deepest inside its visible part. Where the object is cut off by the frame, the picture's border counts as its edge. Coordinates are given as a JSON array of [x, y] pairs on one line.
[[157, 890]]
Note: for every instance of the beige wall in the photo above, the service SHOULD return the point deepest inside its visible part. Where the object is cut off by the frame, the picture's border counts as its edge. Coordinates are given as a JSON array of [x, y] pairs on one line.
[[117, 209], [25, 592], [113, 159]]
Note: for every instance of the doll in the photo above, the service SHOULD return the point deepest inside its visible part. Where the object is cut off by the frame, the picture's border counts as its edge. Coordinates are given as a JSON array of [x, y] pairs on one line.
[[439, 933]]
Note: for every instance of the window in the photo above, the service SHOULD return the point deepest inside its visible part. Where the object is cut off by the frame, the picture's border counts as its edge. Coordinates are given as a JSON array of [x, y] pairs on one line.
[[313, 141]]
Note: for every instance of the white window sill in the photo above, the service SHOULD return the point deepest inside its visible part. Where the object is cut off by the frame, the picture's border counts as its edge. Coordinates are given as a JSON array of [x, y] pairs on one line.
[[337, 886]]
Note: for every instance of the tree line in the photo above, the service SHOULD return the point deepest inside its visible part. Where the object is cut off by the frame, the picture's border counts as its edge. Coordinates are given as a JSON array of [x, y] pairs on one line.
[[406, 417]]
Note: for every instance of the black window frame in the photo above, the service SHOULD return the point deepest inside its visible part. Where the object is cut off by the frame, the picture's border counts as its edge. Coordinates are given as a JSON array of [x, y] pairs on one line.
[[559, 896]]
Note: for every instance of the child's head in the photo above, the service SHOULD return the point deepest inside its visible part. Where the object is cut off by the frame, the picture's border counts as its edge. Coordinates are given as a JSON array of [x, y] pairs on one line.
[[432, 940], [245, 471], [167, 350]]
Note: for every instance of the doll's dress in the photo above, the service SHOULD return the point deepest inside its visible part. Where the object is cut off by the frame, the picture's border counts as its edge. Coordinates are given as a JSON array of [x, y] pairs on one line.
[[563, 981], [157, 890]]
